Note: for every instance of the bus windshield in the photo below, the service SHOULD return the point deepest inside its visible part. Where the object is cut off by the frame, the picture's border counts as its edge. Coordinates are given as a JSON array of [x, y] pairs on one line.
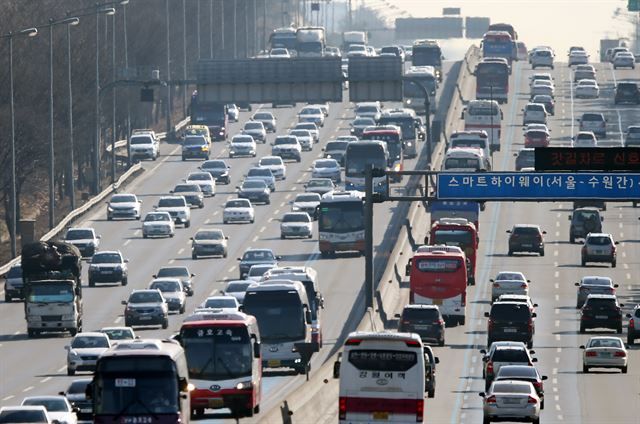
[[280, 314], [492, 74], [394, 143], [410, 89], [129, 385], [341, 217], [426, 56], [458, 238], [359, 156], [406, 124], [217, 353]]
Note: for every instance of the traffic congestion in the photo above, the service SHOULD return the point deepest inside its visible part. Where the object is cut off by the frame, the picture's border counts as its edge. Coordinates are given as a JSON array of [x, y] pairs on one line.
[[214, 284]]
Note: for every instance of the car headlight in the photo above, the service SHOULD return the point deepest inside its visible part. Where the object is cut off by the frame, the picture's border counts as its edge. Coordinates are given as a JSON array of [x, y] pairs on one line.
[[68, 317], [244, 385], [295, 208], [408, 101], [109, 208], [323, 236]]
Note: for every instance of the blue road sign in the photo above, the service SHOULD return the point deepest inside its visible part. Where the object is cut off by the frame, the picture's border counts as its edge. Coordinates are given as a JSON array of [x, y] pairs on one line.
[[544, 186]]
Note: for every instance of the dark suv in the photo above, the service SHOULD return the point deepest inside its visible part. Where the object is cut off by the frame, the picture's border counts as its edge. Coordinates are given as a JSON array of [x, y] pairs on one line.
[[526, 238], [601, 311], [425, 320], [627, 92], [633, 329], [584, 221], [510, 321]]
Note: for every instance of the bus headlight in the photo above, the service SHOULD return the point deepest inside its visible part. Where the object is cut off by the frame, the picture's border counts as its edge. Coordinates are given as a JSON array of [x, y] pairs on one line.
[[190, 387], [244, 385], [408, 101], [409, 144], [323, 236]]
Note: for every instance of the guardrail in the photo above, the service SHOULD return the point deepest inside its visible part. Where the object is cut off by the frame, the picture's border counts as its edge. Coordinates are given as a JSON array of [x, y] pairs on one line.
[[74, 214]]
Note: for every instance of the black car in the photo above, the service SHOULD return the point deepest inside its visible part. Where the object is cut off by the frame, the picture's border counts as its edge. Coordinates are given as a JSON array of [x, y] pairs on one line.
[[601, 311], [633, 329], [195, 147], [584, 221], [255, 190], [218, 170], [526, 238], [525, 158], [192, 194], [425, 320], [254, 257], [510, 321], [76, 395], [627, 92], [13, 285]]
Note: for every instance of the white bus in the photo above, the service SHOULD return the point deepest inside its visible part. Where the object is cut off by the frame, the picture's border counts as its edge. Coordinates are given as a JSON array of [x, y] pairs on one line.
[[341, 222], [465, 159], [382, 378], [413, 97], [484, 115], [284, 319]]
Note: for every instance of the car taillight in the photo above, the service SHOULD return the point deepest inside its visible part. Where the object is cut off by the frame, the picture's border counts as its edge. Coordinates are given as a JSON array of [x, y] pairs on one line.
[[490, 324], [496, 285], [490, 399], [537, 384], [489, 368], [620, 354], [532, 400], [439, 322], [404, 321], [530, 325], [524, 285], [342, 408], [632, 323], [419, 410], [591, 354]]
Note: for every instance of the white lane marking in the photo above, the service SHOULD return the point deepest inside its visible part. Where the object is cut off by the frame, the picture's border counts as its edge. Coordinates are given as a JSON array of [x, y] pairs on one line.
[[7, 398], [555, 253], [557, 337], [557, 286], [180, 251], [557, 233], [299, 180], [474, 359], [126, 242], [557, 323], [620, 225], [230, 270], [282, 204], [212, 292], [557, 297], [276, 212], [554, 371], [27, 389], [171, 261], [44, 380], [288, 196], [62, 368], [557, 360], [557, 223], [472, 370], [137, 232], [216, 213], [558, 215], [556, 274], [560, 417], [255, 238], [117, 320], [206, 221], [262, 229], [555, 264], [16, 333]]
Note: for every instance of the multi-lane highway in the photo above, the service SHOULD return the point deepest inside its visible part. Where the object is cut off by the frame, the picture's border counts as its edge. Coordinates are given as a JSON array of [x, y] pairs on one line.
[[38, 366]]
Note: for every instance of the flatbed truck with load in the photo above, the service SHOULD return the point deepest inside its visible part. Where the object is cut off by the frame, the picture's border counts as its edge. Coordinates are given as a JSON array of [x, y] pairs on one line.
[[51, 273]]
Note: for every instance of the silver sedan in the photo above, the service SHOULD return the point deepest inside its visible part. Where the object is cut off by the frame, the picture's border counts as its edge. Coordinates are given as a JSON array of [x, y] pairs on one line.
[[511, 400], [604, 352]]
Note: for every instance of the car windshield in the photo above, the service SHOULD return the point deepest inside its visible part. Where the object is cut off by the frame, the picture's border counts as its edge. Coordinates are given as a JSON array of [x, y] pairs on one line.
[[285, 140], [296, 217], [427, 314], [208, 235], [174, 272], [194, 141], [171, 202], [319, 183], [592, 117], [239, 203], [307, 198], [306, 126], [258, 255], [187, 188], [78, 387], [336, 145], [123, 198], [141, 140], [87, 342], [145, 297], [166, 286], [511, 312], [221, 302], [242, 139], [119, 334], [599, 240], [517, 371], [366, 109], [254, 184], [512, 276], [608, 342], [201, 176], [510, 355], [311, 111], [263, 116], [79, 234], [586, 215], [106, 258], [214, 165], [259, 172], [259, 270], [51, 405], [22, 416], [529, 231], [300, 133], [253, 126], [237, 286], [155, 217], [270, 161], [362, 122], [326, 164]]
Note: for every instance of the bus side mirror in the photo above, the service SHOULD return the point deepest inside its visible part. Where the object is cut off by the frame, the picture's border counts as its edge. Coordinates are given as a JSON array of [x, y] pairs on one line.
[[407, 268], [183, 384], [336, 366], [307, 316], [256, 349], [462, 115]]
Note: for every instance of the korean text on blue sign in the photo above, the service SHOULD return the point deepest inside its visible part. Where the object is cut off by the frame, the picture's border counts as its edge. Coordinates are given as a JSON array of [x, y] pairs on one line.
[[538, 186]]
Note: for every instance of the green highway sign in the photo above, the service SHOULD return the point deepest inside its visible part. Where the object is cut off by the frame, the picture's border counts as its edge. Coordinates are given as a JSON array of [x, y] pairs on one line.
[[633, 5]]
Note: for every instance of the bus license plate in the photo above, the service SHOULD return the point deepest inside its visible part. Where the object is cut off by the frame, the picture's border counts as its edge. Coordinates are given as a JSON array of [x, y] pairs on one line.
[[380, 415], [437, 301], [216, 403], [510, 330], [273, 362]]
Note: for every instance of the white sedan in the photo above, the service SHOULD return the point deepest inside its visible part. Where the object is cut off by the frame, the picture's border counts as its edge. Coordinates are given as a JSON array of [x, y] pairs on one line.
[[604, 352], [206, 182], [587, 89], [58, 407], [543, 87], [305, 138], [578, 57], [158, 224], [275, 164], [238, 210], [296, 224], [511, 400]]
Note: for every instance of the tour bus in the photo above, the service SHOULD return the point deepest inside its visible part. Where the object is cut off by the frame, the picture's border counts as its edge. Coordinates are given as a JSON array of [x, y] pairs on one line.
[[410, 126], [382, 378], [440, 278], [341, 222], [476, 139], [469, 210], [499, 44], [413, 97], [309, 278], [457, 232], [392, 136], [284, 318], [360, 155], [427, 53], [484, 115], [283, 37], [435, 248], [141, 381], [225, 366], [492, 81], [504, 27], [467, 159]]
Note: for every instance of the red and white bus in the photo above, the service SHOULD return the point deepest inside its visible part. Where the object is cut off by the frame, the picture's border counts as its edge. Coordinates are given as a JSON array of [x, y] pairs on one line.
[[492, 81], [225, 363], [461, 233], [382, 378], [440, 278], [484, 115]]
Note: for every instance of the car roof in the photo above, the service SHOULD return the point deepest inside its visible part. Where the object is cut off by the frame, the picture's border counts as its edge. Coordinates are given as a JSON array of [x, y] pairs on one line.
[[90, 334], [526, 226]]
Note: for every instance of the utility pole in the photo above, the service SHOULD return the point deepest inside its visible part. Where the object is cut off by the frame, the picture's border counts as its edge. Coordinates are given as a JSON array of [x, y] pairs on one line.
[[169, 99], [113, 100], [368, 236]]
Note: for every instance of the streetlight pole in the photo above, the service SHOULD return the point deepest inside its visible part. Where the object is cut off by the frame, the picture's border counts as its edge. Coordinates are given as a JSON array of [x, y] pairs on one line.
[[30, 32], [235, 29], [198, 29], [184, 57], [222, 18], [126, 66], [113, 101], [72, 185], [211, 28], [169, 99]]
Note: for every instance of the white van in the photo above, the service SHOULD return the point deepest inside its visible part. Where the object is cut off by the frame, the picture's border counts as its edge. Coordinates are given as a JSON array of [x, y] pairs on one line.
[[467, 159], [484, 115], [478, 139], [382, 378]]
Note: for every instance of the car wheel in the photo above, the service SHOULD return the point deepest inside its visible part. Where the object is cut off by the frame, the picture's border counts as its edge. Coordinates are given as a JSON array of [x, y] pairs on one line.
[[194, 256], [165, 324], [298, 159], [583, 329], [542, 252], [630, 340], [183, 308], [183, 158], [584, 263], [536, 420], [441, 342], [431, 393], [92, 283], [144, 235], [268, 202], [7, 298], [623, 369], [462, 321], [109, 217], [613, 264], [71, 371], [585, 369], [486, 421], [124, 281], [282, 237], [224, 254], [510, 252], [187, 224], [619, 329]]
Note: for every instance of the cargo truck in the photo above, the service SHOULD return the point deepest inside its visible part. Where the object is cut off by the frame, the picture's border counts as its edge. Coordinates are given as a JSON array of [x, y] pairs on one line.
[[353, 37], [51, 273], [310, 41]]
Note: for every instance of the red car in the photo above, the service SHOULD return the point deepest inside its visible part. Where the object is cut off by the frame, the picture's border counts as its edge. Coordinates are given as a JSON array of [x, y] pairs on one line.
[[536, 138]]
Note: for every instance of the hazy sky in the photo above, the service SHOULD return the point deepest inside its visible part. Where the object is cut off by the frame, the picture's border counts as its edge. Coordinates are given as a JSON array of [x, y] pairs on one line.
[[558, 23]]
